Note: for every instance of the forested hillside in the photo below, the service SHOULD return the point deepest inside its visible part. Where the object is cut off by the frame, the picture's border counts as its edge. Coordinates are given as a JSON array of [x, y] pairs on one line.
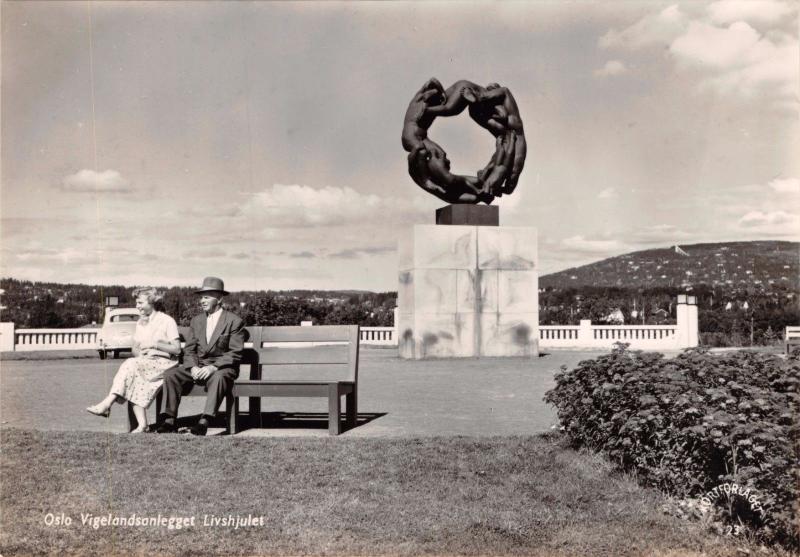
[[745, 290], [730, 267]]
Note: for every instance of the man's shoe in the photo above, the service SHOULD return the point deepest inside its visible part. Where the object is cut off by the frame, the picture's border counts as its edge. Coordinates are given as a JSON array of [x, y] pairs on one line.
[[166, 427], [200, 428]]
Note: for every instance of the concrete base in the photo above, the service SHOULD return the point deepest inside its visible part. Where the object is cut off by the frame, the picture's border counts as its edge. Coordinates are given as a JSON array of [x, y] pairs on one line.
[[468, 291], [469, 215]]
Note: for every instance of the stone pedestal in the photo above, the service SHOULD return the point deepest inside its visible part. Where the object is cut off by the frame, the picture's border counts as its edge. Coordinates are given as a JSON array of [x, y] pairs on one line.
[[472, 215], [468, 291]]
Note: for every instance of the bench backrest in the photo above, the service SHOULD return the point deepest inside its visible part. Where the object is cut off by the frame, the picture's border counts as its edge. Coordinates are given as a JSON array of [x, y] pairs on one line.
[[322, 353], [319, 353], [792, 332]]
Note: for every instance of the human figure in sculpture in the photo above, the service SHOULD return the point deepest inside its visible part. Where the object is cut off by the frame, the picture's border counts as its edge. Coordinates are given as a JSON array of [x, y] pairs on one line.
[[417, 119], [427, 162], [492, 107], [458, 96], [496, 110], [429, 167], [494, 174]]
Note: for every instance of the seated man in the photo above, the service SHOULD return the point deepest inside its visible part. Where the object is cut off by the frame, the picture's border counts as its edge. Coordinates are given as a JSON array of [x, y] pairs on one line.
[[211, 357]]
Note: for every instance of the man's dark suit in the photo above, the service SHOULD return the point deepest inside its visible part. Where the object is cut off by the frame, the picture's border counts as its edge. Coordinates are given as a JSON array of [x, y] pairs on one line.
[[224, 350]]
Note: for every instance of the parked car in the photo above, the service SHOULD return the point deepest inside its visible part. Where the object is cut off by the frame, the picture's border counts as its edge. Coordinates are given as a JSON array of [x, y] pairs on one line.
[[116, 335]]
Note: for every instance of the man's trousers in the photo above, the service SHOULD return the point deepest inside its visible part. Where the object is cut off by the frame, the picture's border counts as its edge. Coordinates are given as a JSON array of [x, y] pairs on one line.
[[178, 381]]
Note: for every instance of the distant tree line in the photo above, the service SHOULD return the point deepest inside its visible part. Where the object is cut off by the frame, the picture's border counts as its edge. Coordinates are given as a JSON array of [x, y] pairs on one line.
[[52, 305]]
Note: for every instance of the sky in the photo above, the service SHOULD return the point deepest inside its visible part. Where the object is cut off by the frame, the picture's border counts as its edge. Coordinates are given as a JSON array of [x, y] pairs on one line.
[[158, 143]]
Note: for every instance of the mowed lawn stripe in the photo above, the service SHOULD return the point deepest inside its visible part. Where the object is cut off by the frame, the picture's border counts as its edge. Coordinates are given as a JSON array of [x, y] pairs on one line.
[[456, 495]]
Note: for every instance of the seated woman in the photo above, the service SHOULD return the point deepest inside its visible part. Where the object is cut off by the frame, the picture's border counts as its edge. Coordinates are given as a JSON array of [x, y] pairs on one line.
[[156, 347]]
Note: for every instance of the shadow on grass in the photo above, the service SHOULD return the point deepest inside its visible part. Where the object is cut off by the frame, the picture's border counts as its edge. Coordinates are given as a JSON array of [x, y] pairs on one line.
[[283, 420]]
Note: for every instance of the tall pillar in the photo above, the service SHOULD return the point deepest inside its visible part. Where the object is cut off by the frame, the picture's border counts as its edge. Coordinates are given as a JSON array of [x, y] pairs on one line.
[[686, 317], [682, 322], [692, 329]]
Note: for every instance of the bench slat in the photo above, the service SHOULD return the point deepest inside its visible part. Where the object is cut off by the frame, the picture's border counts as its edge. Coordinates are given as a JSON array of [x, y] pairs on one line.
[[310, 389], [302, 334], [324, 373], [304, 354]]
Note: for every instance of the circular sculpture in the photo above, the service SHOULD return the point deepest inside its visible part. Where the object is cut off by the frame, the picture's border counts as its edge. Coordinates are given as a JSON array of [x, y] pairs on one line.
[[492, 107]]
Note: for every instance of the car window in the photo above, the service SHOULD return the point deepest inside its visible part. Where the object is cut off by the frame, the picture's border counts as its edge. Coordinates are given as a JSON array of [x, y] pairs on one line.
[[124, 318]]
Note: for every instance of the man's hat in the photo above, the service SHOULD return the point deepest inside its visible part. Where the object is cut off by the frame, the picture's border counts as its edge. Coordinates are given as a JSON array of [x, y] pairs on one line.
[[212, 284]]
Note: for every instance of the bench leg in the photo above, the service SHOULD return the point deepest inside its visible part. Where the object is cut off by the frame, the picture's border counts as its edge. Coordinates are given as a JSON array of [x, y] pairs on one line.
[[351, 399], [254, 404], [235, 413], [159, 401], [334, 410], [231, 412]]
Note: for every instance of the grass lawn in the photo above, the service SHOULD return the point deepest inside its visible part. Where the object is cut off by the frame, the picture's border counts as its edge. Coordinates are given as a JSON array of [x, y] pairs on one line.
[[333, 496], [50, 355]]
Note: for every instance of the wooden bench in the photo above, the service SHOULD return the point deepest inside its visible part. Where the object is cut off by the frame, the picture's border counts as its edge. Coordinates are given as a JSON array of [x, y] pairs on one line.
[[791, 338], [293, 362]]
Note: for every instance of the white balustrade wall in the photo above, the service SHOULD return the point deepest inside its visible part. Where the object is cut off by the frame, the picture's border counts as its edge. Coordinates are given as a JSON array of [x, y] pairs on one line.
[[645, 337], [26, 340], [378, 336]]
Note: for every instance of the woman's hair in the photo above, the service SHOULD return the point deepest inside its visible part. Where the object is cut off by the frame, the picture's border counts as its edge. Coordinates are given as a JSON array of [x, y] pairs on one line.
[[154, 297]]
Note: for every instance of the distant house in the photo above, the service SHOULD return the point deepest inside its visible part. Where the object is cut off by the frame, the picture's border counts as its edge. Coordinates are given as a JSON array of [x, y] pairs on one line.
[[659, 316]]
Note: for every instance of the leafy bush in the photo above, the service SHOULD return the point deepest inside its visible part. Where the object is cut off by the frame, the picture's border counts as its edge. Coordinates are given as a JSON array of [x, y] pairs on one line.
[[695, 422], [718, 340]]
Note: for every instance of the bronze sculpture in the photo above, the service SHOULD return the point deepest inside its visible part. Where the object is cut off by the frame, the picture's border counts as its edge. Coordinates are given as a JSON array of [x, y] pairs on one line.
[[492, 107]]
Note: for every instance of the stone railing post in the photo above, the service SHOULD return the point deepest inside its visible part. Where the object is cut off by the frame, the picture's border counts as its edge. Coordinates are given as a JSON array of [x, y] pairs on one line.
[[585, 336], [693, 334], [682, 320], [7, 337], [686, 316]]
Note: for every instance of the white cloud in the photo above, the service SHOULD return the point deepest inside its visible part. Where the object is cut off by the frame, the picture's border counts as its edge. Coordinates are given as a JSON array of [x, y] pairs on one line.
[[733, 57], [778, 223], [290, 206], [768, 68], [605, 247], [660, 28], [608, 193], [785, 185], [92, 181], [738, 60], [706, 45], [763, 11], [611, 68]]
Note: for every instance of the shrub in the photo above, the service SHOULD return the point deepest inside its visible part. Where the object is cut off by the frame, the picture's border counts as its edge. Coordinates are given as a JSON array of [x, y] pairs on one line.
[[690, 424], [716, 340]]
